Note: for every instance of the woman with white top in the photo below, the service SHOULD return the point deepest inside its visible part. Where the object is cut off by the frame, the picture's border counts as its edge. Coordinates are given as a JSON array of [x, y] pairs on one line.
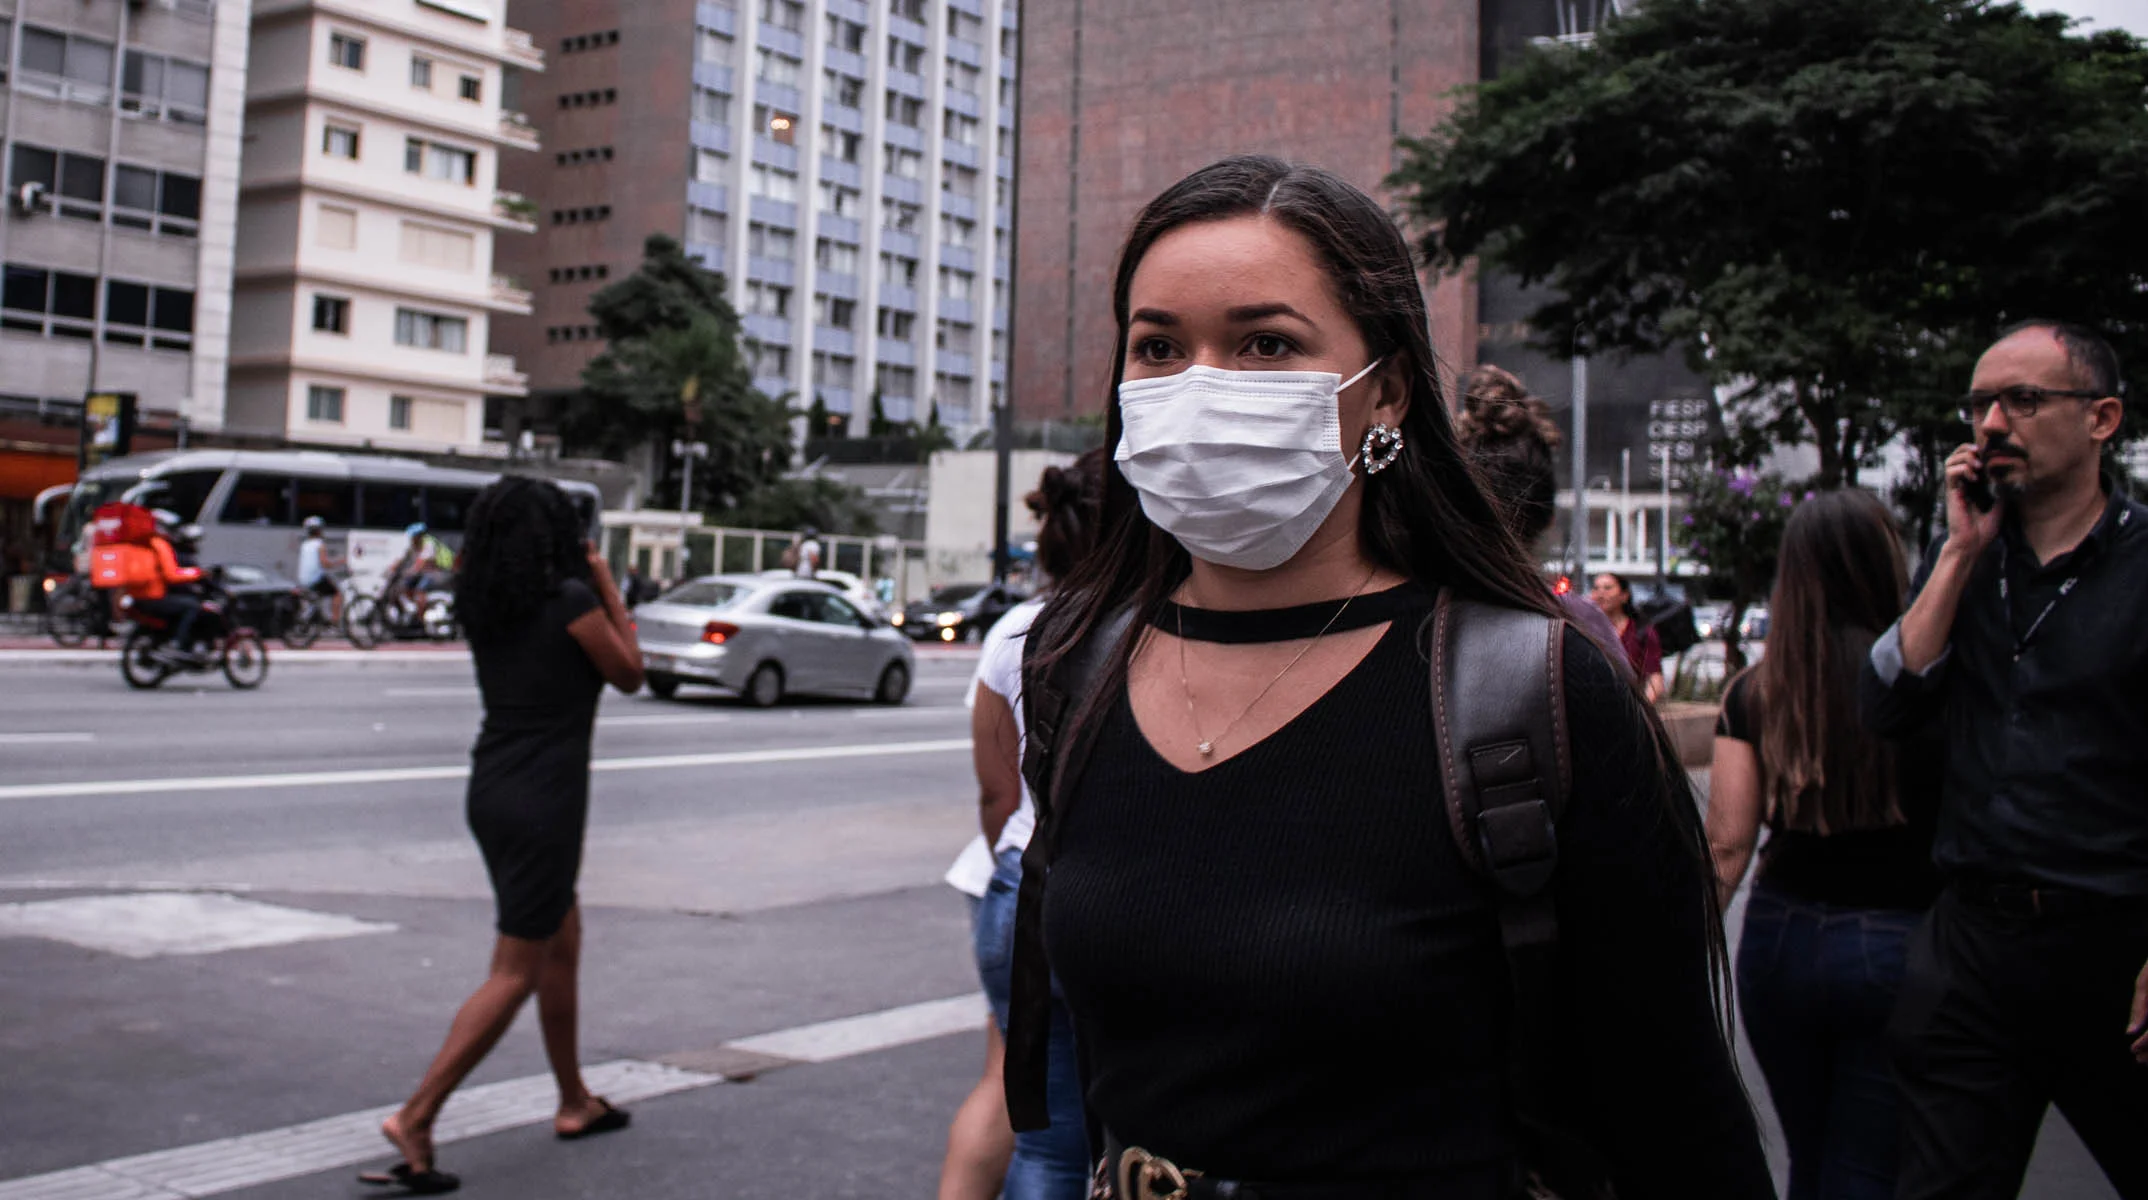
[[985, 1158]]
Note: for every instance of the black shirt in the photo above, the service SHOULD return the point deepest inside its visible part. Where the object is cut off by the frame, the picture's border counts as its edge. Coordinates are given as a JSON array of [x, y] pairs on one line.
[[1281, 970], [2047, 742], [1888, 868]]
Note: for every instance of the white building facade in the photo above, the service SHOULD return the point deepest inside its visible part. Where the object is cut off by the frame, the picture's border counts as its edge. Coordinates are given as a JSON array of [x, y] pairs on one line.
[[364, 289]]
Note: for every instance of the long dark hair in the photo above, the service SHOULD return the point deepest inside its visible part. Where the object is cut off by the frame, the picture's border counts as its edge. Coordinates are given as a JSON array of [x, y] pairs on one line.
[[1068, 505], [1840, 581], [522, 541], [1509, 436]]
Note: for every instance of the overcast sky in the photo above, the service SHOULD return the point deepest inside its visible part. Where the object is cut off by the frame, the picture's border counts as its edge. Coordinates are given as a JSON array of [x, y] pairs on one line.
[[2129, 15]]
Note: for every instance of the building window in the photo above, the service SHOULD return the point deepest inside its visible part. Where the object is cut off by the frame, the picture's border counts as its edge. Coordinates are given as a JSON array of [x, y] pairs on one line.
[[399, 412], [161, 201], [66, 65], [839, 200], [904, 110], [421, 72], [324, 404], [339, 141], [835, 370], [954, 335], [899, 215], [775, 124], [768, 299], [895, 381], [75, 182], [844, 91], [957, 232], [775, 67], [31, 295], [775, 184], [956, 285], [152, 85], [958, 180], [769, 362], [431, 331], [905, 164], [908, 10], [470, 87], [896, 324], [764, 241], [962, 77], [964, 25], [715, 47], [834, 312], [344, 50], [839, 144], [907, 57], [435, 161], [336, 228], [898, 269], [437, 248], [959, 129], [846, 35], [706, 225], [783, 14], [712, 106], [709, 165], [331, 314], [836, 258]]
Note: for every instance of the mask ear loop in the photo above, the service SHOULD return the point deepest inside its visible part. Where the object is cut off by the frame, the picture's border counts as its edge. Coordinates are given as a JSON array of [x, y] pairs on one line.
[[1344, 386]]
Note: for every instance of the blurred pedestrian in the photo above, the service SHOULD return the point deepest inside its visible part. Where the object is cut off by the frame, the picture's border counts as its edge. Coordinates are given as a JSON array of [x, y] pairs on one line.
[[1846, 872], [1613, 596], [1052, 1163], [2027, 984], [1285, 972], [547, 631], [809, 553], [1509, 437]]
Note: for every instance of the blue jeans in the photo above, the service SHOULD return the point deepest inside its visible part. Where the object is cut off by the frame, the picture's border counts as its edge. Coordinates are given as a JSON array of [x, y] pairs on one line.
[[1816, 985], [1050, 1163]]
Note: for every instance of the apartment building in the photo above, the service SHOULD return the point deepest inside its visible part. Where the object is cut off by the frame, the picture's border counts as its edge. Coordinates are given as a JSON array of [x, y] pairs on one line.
[[845, 164], [119, 134], [365, 284]]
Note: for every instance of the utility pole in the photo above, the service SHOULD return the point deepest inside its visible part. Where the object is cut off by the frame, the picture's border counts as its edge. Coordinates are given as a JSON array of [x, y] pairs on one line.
[[1003, 412], [687, 452], [1581, 468]]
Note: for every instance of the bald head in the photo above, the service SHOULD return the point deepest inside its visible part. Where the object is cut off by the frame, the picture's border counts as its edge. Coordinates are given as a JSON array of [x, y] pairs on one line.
[[2091, 364]]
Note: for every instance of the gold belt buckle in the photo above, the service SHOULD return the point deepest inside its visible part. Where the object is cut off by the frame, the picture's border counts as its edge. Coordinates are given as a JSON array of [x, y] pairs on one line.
[[1145, 1176]]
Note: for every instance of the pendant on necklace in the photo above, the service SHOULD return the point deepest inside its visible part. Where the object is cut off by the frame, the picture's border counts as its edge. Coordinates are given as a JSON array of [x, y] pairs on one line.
[[1207, 748]]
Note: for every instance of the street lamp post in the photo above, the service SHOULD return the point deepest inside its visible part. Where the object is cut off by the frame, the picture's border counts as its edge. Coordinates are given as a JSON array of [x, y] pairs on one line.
[[686, 452]]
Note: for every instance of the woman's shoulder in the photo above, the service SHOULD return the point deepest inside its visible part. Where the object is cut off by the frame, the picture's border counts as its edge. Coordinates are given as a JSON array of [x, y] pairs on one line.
[[570, 600]]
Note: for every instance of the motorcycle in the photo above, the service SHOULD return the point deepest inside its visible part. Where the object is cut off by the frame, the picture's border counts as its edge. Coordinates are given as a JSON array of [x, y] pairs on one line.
[[371, 620], [147, 658]]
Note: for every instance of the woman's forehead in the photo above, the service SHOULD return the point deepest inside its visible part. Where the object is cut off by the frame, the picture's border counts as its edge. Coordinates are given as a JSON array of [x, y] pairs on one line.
[[1209, 266]]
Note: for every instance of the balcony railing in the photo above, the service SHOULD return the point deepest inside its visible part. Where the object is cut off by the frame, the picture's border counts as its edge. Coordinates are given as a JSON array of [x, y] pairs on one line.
[[518, 128], [519, 45], [507, 290], [514, 206], [500, 369]]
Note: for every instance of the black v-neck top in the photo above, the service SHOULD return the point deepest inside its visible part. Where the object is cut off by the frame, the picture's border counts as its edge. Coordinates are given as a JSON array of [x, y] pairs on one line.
[[1281, 970]]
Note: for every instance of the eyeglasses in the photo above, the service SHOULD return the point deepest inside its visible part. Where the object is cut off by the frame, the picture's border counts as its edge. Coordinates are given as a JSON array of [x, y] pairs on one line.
[[2019, 403]]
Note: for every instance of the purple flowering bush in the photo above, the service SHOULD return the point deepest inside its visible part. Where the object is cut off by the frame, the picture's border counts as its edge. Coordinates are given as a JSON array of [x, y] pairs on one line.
[[1734, 528]]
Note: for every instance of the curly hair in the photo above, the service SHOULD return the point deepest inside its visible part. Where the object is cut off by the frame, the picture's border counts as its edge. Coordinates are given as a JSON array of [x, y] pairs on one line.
[[1068, 505], [1509, 435], [523, 540]]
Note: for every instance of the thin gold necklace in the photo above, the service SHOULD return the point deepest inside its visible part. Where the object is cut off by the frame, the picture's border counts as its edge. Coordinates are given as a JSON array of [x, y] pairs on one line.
[[1206, 745]]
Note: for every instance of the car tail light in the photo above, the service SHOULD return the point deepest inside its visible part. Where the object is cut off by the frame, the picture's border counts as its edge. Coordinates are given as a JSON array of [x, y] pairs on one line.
[[716, 633]]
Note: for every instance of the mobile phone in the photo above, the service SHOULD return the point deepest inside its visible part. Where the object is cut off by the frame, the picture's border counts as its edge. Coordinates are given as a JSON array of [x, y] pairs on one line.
[[1978, 491]]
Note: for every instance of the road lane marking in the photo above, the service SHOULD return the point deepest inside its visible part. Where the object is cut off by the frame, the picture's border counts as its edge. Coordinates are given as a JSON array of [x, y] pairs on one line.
[[45, 739], [410, 693], [678, 719], [249, 1160], [658, 762], [156, 924]]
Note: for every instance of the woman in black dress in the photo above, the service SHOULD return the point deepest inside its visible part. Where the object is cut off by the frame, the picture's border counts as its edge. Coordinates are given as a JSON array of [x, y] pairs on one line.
[[547, 630], [1285, 978]]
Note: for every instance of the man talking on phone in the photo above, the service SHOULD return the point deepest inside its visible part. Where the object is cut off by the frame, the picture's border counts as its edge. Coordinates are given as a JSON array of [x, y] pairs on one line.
[[2027, 985]]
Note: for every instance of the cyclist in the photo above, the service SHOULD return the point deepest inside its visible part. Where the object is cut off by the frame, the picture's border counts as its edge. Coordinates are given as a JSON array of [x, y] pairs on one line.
[[173, 594], [313, 568], [425, 565]]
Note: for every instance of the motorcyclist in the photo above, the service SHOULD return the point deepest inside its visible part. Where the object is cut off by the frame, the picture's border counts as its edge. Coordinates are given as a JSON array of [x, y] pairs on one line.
[[426, 564], [174, 595]]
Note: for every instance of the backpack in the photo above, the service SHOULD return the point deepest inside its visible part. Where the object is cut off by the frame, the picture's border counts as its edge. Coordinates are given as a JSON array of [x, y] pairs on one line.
[[1674, 625], [1505, 774]]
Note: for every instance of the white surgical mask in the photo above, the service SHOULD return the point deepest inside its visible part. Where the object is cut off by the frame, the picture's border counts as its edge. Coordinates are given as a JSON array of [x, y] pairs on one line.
[[1240, 466]]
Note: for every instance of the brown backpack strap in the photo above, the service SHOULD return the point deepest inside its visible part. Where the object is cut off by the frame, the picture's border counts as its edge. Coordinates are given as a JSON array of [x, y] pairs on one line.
[[1506, 770]]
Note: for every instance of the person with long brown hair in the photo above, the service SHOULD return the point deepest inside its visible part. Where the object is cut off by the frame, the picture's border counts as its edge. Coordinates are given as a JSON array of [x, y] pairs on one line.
[[1285, 977], [1846, 872]]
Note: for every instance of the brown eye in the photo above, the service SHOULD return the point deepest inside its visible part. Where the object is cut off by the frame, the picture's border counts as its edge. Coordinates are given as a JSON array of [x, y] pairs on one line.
[[1152, 350], [1269, 345]]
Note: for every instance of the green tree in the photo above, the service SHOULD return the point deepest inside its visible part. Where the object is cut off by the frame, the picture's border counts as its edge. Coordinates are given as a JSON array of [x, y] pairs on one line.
[[674, 369], [795, 503], [878, 424], [1827, 205], [1734, 526]]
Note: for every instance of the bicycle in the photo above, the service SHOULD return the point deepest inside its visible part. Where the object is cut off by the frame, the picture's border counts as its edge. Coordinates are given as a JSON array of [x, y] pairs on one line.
[[310, 619], [75, 612]]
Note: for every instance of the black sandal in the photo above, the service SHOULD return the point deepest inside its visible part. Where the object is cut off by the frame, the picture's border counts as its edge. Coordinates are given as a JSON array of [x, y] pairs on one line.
[[429, 1182], [609, 1120]]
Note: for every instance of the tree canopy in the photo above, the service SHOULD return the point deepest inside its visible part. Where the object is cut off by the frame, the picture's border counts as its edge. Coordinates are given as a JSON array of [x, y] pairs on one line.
[[674, 369], [1829, 206]]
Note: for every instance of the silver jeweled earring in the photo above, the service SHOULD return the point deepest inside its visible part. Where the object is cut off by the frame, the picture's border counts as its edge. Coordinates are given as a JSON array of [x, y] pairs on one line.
[[1383, 445]]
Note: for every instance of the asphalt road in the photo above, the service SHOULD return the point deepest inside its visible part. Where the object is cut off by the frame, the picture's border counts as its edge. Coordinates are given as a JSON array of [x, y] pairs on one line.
[[746, 872]]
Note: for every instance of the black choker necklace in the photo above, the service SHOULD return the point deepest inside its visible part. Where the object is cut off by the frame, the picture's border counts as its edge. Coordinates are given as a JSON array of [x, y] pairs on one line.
[[1286, 624]]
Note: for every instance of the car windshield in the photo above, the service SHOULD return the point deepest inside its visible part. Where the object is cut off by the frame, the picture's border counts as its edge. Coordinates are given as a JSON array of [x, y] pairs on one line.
[[702, 593], [955, 593]]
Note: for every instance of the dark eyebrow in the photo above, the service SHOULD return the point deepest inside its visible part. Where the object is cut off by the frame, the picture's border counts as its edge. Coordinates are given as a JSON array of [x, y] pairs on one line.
[[1257, 312], [1155, 316]]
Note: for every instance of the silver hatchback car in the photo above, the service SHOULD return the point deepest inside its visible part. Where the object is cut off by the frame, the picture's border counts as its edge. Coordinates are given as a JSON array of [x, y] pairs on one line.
[[767, 637]]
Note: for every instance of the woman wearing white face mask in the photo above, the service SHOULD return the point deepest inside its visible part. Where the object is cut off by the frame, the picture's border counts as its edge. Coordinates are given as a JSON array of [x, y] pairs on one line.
[[1287, 978]]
